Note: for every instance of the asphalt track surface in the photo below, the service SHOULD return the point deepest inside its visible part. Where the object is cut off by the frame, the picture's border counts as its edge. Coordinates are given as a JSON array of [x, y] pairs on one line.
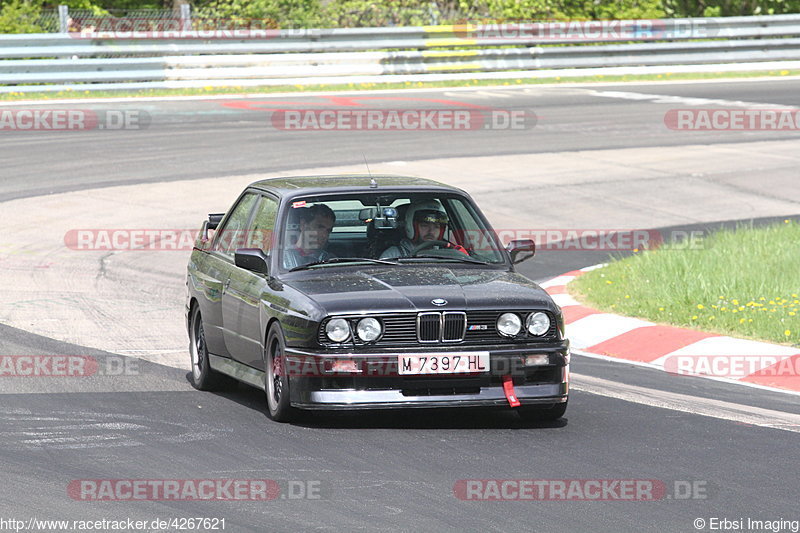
[[186, 140], [375, 471]]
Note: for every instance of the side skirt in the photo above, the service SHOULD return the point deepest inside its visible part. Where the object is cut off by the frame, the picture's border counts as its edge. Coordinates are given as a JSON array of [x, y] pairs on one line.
[[236, 370]]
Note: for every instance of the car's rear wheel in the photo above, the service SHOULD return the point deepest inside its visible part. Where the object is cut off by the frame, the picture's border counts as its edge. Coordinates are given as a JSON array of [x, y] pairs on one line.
[[276, 378], [203, 376], [544, 414]]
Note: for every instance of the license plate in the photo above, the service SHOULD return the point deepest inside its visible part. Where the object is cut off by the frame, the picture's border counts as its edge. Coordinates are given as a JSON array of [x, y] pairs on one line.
[[451, 363]]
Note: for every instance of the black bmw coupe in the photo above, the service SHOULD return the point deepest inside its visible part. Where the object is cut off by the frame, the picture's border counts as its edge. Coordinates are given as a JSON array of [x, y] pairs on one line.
[[371, 292]]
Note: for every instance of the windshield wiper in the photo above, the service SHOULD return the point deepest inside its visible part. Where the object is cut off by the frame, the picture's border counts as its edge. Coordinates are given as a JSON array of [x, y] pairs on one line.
[[334, 260], [447, 259]]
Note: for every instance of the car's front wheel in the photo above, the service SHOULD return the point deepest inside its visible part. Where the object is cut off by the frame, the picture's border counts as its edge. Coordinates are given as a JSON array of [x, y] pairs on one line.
[[203, 376], [530, 413], [276, 377]]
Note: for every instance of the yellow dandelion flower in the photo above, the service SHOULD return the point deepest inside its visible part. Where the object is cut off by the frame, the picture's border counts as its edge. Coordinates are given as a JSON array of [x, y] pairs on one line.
[[694, 317], [700, 306], [788, 332], [627, 296], [660, 308]]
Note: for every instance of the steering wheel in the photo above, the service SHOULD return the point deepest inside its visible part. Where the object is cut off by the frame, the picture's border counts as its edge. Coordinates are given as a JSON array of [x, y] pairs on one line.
[[424, 245]]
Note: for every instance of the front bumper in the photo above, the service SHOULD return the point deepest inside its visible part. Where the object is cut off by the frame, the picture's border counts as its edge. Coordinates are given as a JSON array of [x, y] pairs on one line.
[[321, 389]]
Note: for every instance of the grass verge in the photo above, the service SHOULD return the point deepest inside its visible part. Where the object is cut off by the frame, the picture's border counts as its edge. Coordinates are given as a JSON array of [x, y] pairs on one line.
[[389, 86], [743, 282]]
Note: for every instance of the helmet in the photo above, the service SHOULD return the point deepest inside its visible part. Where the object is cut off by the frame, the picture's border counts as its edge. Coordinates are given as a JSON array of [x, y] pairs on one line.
[[426, 211]]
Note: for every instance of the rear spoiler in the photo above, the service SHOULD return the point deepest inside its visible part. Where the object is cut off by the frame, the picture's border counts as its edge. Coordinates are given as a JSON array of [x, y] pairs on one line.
[[212, 223]]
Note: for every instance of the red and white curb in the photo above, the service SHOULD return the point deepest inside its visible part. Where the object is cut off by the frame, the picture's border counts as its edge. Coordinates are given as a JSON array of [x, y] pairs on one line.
[[679, 351]]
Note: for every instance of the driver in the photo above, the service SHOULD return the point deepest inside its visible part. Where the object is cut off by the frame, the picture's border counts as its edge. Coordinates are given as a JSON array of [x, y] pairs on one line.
[[424, 221]]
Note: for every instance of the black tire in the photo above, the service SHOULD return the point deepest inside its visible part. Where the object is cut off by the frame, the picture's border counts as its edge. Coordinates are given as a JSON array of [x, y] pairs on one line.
[[276, 382], [543, 414], [203, 377]]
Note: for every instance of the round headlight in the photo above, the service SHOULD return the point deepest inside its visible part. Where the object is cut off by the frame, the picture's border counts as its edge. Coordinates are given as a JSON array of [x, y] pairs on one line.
[[337, 330], [509, 324], [537, 323], [368, 329]]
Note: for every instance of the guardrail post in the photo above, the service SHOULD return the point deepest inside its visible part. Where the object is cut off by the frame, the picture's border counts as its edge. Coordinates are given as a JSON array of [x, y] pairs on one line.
[[433, 14], [186, 17], [63, 19]]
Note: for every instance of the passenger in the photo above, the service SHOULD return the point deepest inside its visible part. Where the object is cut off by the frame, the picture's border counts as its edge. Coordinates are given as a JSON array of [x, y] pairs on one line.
[[315, 225]]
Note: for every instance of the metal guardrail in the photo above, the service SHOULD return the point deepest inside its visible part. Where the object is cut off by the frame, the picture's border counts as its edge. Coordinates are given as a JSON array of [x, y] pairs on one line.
[[95, 61]]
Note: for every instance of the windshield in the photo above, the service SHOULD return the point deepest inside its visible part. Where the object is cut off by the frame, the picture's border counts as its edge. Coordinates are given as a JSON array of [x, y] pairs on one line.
[[385, 229]]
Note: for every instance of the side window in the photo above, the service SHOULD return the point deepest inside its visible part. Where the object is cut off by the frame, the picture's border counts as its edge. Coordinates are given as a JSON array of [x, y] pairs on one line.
[[470, 233], [262, 230], [232, 235]]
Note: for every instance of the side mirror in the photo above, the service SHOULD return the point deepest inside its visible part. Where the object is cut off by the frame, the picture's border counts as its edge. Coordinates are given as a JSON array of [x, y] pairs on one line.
[[252, 259], [525, 247], [214, 219], [211, 224]]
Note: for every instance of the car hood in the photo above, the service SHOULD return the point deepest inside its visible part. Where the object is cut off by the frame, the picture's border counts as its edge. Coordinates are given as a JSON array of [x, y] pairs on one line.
[[344, 290]]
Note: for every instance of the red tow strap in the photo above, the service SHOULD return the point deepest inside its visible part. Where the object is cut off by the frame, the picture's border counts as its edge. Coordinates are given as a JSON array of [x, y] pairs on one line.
[[508, 388]]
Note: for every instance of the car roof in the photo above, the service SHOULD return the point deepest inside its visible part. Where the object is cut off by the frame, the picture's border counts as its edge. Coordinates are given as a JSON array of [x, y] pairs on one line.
[[306, 185]]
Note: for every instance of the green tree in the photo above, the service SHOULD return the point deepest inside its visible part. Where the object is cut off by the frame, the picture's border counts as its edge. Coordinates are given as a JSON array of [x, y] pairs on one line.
[[729, 8], [270, 13], [18, 16]]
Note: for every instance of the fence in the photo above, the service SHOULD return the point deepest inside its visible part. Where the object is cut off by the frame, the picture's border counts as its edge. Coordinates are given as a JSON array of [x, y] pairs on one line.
[[130, 58]]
